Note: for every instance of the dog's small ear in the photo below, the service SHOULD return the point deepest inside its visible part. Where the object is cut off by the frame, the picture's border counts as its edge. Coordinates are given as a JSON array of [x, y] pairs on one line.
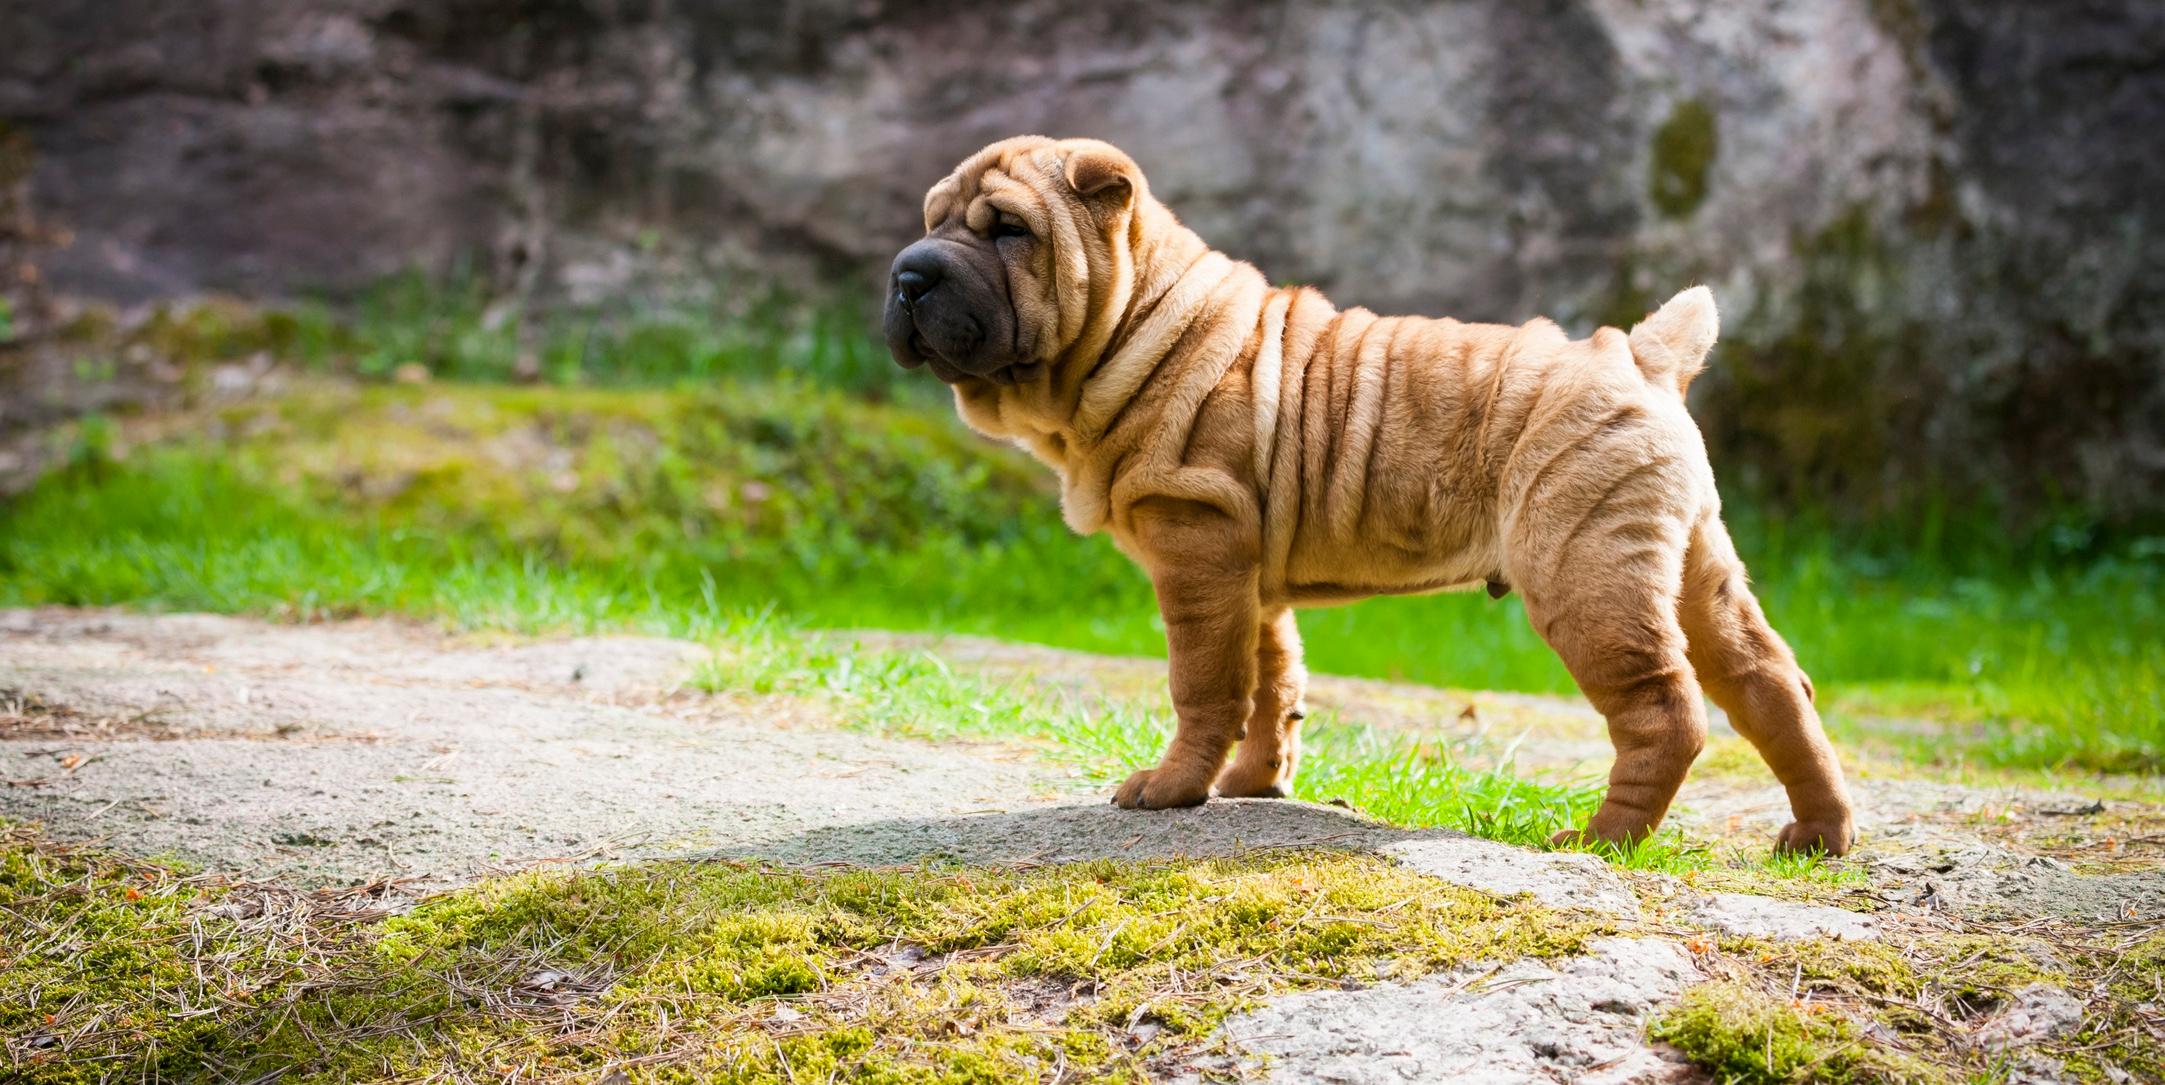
[[1102, 171]]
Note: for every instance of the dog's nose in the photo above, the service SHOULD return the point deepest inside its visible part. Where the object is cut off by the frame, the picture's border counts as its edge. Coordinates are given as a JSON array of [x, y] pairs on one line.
[[913, 283], [917, 269]]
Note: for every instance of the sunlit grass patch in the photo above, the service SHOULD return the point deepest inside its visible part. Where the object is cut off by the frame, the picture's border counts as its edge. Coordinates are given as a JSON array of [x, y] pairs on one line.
[[549, 508], [1750, 866], [713, 971], [1426, 781], [2095, 716]]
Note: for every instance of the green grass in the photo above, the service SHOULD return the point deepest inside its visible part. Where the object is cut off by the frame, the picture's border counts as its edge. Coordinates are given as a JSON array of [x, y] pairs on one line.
[[705, 972], [546, 507]]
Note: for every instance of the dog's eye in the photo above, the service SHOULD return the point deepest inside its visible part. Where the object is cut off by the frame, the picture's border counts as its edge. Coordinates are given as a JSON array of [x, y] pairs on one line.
[[1007, 226]]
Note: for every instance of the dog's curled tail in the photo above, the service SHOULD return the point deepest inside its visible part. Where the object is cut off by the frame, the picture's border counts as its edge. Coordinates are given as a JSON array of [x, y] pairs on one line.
[[1671, 344]]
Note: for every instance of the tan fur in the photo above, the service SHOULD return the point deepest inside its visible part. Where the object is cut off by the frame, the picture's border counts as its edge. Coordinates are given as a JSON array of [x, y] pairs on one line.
[[1255, 449]]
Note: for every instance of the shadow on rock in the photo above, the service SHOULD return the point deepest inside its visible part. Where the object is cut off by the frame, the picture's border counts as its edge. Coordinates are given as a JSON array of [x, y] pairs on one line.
[[1075, 832]]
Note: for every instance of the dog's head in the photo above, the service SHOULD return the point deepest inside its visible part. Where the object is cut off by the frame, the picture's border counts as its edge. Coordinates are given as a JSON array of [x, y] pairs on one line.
[[1027, 260]]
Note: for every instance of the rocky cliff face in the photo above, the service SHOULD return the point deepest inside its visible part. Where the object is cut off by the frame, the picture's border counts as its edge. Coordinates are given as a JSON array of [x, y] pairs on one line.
[[1935, 226]]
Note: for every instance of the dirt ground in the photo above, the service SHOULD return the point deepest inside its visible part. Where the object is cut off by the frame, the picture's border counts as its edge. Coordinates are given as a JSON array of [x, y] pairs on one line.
[[374, 751]]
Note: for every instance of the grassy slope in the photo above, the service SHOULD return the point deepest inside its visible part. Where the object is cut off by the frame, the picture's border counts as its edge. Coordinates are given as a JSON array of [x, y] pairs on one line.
[[553, 508]]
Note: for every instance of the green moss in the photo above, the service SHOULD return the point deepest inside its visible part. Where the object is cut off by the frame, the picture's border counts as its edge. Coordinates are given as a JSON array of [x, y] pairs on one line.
[[1904, 1010], [708, 950], [2141, 972], [1747, 1037], [608, 476], [712, 972], [92, 325], [216, 330], [1682, 155], [1729, 756]]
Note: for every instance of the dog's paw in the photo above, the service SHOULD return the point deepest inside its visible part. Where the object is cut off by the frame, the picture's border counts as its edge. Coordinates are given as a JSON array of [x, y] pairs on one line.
[[1804, 837], [1156, 789]]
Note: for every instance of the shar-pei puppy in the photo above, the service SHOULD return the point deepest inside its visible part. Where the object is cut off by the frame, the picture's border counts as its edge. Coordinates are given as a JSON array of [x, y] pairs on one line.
[[1257, 449]]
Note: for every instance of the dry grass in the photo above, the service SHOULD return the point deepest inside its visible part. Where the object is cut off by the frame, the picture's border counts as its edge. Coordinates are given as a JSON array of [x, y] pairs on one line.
[[123, 963], [1924, 1005]]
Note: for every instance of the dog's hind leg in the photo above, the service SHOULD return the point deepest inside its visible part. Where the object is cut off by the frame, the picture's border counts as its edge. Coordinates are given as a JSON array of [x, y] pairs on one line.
[[1605, 598], [1270, 747], [1754, 677]]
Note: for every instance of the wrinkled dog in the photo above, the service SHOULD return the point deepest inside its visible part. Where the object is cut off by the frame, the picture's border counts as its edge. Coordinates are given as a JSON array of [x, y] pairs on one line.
[[1257, 449]]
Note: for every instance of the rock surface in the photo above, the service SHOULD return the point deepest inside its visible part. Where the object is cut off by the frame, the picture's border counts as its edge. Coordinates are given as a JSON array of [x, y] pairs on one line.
[[1933, 225], [1975, 851], [1577, 1020], [1559, 879], [2037, 1012], [361, 750], [346, 752], [357, 750], [335, 754], [1744, 914]]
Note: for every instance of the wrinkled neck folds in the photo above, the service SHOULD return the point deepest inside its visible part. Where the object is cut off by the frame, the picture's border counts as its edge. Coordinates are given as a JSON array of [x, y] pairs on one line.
[[1105, 290], [1178, 323]]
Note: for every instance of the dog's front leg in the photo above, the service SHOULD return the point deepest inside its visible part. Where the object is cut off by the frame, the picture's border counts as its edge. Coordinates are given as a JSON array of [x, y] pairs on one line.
[[1205, 570]]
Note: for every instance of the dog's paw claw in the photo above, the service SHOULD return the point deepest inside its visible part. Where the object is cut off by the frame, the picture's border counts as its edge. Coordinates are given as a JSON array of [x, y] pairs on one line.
[[1806, 837]]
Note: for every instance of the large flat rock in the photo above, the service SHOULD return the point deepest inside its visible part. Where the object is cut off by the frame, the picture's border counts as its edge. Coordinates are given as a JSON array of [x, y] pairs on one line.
[[335, 753]]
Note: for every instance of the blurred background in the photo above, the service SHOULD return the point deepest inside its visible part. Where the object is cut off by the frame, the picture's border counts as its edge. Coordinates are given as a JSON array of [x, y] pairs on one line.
[[557, 313]]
